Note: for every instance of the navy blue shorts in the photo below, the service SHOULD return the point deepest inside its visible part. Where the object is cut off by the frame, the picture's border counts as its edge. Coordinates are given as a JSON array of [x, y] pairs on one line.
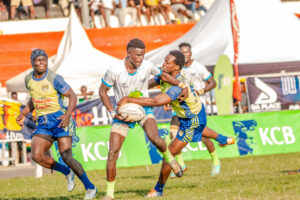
[[48, 125], [190, 129]]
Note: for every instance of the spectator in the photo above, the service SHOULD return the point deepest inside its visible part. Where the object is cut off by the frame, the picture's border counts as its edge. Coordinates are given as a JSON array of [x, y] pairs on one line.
[[15, 3], [178, 6], [196, 7], [44, 3], [85, 95], [241, 106], [166, 5], [95, 7], [14, 96], [123, 9], [139, 5], [108, 8], [3, 11]]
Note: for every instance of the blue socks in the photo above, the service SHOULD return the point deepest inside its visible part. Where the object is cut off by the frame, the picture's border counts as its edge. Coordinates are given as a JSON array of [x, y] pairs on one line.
[[159, 187], [86, 182], [61, 168], [222, 139]]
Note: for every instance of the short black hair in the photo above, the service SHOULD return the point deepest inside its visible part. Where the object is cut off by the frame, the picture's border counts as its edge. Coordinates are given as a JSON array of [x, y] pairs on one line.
[[13, 92], [185, 44], [179, 57], [136, 43]]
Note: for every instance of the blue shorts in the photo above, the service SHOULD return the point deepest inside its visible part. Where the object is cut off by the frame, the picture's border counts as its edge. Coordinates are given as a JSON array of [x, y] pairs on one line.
[[148, 110], [190, 129], [48, 125]]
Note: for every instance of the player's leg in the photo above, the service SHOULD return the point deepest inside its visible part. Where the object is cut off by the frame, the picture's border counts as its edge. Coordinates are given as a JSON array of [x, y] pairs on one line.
[[65, 150], [221, 139], [174, 127], [117, 137], [150, 126], [216, 167], [175, 147]]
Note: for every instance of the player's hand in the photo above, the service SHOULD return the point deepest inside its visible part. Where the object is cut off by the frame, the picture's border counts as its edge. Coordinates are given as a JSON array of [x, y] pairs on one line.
[[184, 94], [167, 107], [20, 120], [123, 101], [65, 118], [122, 118]]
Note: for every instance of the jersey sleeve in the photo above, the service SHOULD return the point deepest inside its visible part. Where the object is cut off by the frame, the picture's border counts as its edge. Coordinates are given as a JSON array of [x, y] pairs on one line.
[[174, 92], [157, 79], [60, 85], [156, 71], [203, 72], [109, 78]]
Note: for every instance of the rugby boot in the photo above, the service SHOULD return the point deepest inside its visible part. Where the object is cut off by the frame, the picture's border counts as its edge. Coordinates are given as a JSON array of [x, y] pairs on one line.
[[184, 169], [153, 193], [176, 168], [216, 169], [71, 181], [226, 141], [90, 193]]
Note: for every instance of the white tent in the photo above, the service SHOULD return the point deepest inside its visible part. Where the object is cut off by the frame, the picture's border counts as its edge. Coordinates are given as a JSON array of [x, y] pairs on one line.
[[76, 60], [269, 37]]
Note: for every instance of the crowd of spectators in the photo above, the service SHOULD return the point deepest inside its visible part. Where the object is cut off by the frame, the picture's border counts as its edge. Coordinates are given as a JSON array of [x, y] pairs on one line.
[[141, 12]]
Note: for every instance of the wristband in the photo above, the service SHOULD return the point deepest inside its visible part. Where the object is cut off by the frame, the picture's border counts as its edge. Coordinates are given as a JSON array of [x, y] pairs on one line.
[[201, 91], [182, 85], [112, 113]]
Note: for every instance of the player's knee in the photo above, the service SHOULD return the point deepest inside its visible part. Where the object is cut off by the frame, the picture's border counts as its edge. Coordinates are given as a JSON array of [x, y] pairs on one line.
[[37, 157], [113, 155], [66, 156]]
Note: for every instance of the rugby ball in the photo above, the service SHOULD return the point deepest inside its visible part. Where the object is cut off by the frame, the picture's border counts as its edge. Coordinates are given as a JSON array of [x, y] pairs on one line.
[[134, 111]]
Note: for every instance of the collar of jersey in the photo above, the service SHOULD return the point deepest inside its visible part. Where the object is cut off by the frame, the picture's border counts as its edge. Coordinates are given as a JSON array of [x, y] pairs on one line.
[[39, 79], [178, 75], [133, 73]]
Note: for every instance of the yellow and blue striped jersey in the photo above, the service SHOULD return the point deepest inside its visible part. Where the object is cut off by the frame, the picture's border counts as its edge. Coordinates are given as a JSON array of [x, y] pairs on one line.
[[188, 108], [46, 92]]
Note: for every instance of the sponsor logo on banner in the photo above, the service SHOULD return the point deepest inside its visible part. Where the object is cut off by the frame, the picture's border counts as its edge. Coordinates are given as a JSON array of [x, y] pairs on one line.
[[244, 132], [267, 98]]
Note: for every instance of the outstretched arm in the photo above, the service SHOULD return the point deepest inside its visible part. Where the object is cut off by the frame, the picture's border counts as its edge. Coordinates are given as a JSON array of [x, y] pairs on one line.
[[65, 118], [159, 100], [28, 108]]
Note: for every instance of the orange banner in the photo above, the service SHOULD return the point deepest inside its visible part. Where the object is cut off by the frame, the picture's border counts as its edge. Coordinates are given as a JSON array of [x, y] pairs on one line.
[[15, 49]]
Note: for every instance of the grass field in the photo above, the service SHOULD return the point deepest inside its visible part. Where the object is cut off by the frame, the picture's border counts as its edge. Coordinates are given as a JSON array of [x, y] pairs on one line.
[[250, 177]]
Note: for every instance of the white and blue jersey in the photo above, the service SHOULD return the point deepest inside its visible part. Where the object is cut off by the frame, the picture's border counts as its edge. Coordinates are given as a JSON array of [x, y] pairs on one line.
[[132, 85], [125, 84]]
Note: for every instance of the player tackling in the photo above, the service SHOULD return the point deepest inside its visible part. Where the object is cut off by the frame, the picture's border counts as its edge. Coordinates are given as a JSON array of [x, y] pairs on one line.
[[190, 112], [130, 77]]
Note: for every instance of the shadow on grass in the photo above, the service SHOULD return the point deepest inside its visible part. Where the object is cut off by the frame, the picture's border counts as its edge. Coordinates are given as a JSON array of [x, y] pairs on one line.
[[290, 171]]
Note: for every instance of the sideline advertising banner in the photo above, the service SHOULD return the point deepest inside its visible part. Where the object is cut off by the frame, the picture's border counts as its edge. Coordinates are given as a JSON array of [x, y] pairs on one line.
[[255, 133], [274, 93]]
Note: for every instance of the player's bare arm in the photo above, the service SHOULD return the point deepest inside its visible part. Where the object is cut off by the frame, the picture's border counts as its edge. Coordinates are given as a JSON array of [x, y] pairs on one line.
[[28, 108], [103, 90], [159, 100], [211, 84], [152, 83], [65, 118]]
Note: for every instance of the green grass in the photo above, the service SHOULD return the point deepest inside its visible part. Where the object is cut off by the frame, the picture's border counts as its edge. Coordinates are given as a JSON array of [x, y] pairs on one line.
[[250, 177]]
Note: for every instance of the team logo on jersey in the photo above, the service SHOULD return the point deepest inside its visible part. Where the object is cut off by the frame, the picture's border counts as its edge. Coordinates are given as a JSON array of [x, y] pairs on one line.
[[180, 132], [136, 94], [45, 87]]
